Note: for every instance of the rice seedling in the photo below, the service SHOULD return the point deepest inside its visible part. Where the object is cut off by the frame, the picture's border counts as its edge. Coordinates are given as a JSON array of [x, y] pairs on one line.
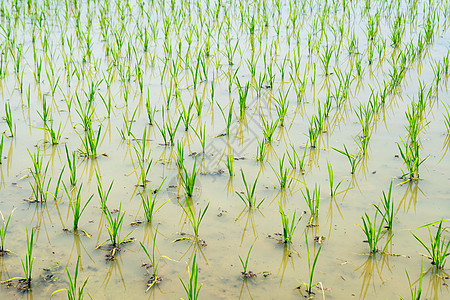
[[188, 179], [230, 50], [447, 117], [171, 131], [201, 135], [326, 58], [114, 226], [364, 115], [246, 273], [55, 136], [195, 219], [312, 200], [85, 112], [90, 142], [125, 132], [150, 112], [293, 158], [416, 293], [269, 129], [299, 87], [41, 185], [75, 205], [411, 158], [229, 164], [72, 166], [186, 115], [388, 207], [314, 130], [154, 279], [27, 264], [227, 118], [352, 159], [163, 130], [192, 288], [373, 232], [249, 195], [261, 151], [282, 107], [198, 102], [333, 189], [3, 229], [73, 291], [149, 203], [282, 175], [144, 163], [9, 120], [311, 268], [243, 93], [439, 247], [102, 193], [288, 227]]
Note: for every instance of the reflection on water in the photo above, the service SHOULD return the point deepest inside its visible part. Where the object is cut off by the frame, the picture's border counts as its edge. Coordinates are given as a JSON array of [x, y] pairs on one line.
[[248, 214], [371, 270], [410, 196]]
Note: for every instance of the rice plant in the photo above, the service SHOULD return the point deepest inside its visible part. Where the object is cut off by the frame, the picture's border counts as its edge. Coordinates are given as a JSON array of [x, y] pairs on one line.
[[55, 136], [314, 130], [3, 229], [261, 151], [41, 183], [373, 232], [229, 164], [192, 288], [333, 189], [352, 159], [75, 205], [153, 262], [447, 117], [439, 247], [282, 174], [416, 293], [90, 142], [201, 135], [27, 264], [193, 218], [114, 226], [311, 268], [188, 179], [73, 291], [72, 166], [227, 118], [102, 193], [243, 93], [388, 207], [9, 120], [409, 152], [249, 195], [144, 163], [269, 129], [180, 155], [149, 203], [312, 200], [246, 273], [186, 115], [289, 224]]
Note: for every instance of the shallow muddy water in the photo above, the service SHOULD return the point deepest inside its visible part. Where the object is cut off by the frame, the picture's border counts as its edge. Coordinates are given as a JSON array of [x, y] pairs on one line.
[[102, 62]]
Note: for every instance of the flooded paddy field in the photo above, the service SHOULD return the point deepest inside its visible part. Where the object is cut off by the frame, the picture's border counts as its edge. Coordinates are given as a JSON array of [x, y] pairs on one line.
[[224, 149]]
